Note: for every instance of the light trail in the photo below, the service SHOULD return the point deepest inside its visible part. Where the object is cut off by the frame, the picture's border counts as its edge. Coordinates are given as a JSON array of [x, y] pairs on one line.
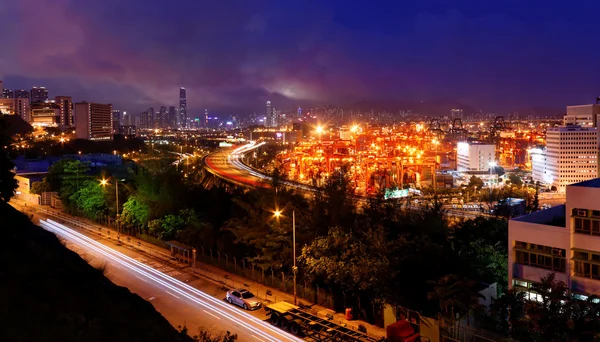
[[226, 311]]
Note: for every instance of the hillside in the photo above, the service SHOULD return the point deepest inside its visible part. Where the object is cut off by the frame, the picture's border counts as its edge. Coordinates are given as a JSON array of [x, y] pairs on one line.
[[49, 293]]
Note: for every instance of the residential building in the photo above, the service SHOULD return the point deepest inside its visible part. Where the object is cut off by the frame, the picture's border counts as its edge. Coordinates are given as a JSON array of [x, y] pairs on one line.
[[564, 240], [172, 119], [93, 121], [21, 108], [66, 110], [474, 156], [161, 118], [571, 155], [128, 130], [116, 120], [38, 94]]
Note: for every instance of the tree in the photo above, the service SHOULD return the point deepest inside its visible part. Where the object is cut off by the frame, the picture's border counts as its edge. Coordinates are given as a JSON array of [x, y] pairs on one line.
[[515, 179], [456, 295], [8, 183], [354, 262], [40, 187], [74, 175], [475, 181], [90, 198], [135, 213]]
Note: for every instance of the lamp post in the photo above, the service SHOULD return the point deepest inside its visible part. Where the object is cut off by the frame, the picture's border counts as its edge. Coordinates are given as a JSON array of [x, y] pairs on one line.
[[492, 166], [103, 182], [277, 214]]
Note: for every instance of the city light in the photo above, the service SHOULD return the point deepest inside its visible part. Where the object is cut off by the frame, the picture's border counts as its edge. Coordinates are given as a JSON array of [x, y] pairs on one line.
[[103, 182], [319, 130]]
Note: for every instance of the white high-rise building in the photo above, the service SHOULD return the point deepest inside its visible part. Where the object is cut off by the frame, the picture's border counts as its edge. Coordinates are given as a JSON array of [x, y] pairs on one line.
[[474, 156], [538, 165], [269, 116], [571, 155]]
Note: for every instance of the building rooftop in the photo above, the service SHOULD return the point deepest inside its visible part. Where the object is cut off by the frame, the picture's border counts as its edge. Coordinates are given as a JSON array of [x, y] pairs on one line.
[[555, 216], [592, 183]]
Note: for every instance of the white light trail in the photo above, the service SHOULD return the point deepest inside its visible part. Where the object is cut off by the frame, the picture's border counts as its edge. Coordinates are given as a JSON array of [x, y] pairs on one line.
[[172, 284]]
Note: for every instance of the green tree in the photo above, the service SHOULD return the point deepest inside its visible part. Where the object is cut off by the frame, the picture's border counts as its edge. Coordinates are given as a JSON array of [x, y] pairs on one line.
[[354, 262], [74, 175], [135, 213], [90, 198]]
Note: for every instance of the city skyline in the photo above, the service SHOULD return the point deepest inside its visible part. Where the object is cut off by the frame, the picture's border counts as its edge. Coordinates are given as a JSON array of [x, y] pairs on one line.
[[493, 59]]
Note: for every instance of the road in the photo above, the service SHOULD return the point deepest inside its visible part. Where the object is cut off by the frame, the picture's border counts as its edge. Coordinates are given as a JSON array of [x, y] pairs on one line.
[[221, 164], [172, 292]]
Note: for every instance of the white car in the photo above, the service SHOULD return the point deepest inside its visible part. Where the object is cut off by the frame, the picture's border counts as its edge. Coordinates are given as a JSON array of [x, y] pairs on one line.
[[243, 298]]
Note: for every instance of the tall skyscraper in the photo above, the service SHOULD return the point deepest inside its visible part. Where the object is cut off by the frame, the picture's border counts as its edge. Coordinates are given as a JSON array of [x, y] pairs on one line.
[[150, 119], [161, 120], [116, 120], [93, 121], [205, 121], [126, 119], [182, 108], [299, 113], [7, 94], [269, 115], [39, 94], [66, 110], [172, 117]]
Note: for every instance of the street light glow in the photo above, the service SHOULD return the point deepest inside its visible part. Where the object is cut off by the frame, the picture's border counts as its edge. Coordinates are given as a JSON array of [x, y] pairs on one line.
[[319, 130], [277, 213], [103, 182]]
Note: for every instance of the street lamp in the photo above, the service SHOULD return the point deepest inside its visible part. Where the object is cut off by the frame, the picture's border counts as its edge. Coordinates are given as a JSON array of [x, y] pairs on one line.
[[104, 182], [277, 214]]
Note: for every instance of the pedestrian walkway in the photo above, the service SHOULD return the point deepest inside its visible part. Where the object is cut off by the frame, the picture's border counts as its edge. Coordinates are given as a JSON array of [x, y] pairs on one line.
[[172, 267]]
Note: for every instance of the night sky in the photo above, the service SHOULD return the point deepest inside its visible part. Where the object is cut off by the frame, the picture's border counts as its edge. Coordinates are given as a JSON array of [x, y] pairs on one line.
[[234, 55]]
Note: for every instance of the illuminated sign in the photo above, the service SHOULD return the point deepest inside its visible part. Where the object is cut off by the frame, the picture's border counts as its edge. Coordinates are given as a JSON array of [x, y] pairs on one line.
[[225, 144], [395, 193]]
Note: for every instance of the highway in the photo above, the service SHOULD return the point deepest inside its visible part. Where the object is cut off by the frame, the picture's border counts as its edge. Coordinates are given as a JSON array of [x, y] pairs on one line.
[[196, 307]]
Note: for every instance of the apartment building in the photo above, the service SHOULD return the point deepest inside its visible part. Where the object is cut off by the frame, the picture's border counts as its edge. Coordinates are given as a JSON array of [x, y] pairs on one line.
[[564, 239]]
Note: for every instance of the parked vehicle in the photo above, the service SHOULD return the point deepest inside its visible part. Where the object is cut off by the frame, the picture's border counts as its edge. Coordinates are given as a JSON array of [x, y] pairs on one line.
[[243, 298]]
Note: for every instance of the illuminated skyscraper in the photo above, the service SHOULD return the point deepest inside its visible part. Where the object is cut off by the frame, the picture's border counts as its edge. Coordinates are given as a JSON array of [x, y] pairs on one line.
[[39, 94], [182, 108], [205, 121], [269, 114]]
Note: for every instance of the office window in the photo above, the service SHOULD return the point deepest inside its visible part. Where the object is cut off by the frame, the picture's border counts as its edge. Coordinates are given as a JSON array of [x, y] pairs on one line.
[[586, 264], [540, 256]]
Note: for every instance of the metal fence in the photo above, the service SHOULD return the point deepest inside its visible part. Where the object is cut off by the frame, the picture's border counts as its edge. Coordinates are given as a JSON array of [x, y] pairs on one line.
[[268, 277]]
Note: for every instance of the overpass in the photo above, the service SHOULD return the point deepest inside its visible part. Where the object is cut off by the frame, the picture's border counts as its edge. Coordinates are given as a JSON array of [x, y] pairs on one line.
[[226, 168]]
